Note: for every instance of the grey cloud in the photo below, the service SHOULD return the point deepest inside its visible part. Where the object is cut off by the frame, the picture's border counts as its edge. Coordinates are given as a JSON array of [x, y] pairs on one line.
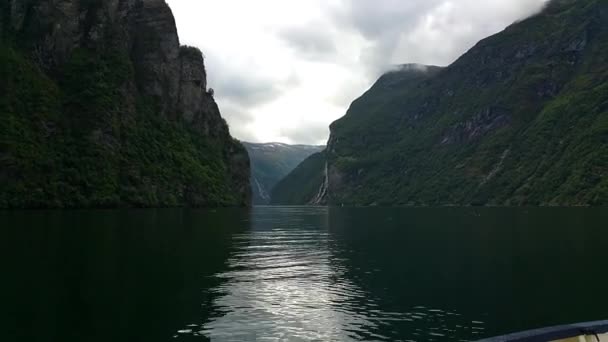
[[308, 133], [394, 31], [247, 91], [242, 133], [313, 42], [377, 19], [238, 119], [382, 22], [243, 86], [453, 27], [235, 112], [426, 31], [433, 32], [347, 93]]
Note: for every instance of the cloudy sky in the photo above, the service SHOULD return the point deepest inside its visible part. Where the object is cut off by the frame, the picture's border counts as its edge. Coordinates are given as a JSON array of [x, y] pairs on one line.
[[283, 70]]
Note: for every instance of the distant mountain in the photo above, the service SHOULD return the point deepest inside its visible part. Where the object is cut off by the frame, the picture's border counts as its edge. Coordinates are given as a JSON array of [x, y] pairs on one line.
[[271, 162], [520, 119], [303, 184]]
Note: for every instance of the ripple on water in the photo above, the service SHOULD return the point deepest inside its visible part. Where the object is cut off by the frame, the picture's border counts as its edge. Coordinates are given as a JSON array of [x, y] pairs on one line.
[[291, 284]]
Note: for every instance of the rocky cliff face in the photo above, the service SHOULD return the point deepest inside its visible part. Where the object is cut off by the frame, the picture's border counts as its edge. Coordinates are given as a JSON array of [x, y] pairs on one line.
[[119, 71], [520, 119], [145, 29]]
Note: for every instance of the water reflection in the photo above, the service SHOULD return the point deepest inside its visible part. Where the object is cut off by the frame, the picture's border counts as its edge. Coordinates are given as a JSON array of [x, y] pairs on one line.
[[319, 274], [292, 277], [299, 274], [132, 275], [284, 281]]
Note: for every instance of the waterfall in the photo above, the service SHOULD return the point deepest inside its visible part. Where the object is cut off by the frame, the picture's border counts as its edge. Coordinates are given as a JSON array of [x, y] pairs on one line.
[[322, 193], [263, 194]]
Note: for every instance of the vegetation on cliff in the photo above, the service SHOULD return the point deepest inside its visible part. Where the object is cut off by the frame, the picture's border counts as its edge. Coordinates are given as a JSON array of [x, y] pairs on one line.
[[520, 119], [81, 124]]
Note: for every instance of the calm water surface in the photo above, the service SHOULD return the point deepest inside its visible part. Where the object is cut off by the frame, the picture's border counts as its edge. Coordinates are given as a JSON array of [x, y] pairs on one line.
[[299, 274]]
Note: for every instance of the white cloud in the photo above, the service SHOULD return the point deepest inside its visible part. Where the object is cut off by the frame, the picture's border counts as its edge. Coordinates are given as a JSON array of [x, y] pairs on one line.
[[284, 70]]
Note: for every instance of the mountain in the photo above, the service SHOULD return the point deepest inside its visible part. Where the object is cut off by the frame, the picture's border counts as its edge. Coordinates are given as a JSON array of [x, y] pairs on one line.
[[271, 162], [100, 106], [303, 184], [520, 119]]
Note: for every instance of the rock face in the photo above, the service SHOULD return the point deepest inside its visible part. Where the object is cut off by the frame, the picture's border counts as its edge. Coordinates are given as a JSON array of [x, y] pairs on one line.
[[124, 107], [145, 29], [520, 119], [271, 162]]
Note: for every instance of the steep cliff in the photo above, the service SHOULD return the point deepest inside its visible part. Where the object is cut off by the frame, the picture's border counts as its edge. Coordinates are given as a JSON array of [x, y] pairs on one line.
[[100, 106], [271, 162], [520, 119]]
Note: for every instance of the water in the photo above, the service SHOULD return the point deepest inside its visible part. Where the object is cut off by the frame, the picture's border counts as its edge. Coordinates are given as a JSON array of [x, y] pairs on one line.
[[299, 274]]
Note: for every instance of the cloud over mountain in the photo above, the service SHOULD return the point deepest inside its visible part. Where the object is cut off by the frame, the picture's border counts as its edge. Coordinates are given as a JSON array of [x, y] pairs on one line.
[[284, 70]]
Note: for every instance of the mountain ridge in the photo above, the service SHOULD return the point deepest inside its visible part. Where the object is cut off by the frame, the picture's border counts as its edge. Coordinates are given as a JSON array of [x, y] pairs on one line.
[[270, 162], [520, 119]]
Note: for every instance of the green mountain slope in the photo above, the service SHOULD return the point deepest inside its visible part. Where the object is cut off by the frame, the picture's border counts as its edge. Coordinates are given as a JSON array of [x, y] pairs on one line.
[[271, 162], [520, 119], [101, 107], [303, 185]]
